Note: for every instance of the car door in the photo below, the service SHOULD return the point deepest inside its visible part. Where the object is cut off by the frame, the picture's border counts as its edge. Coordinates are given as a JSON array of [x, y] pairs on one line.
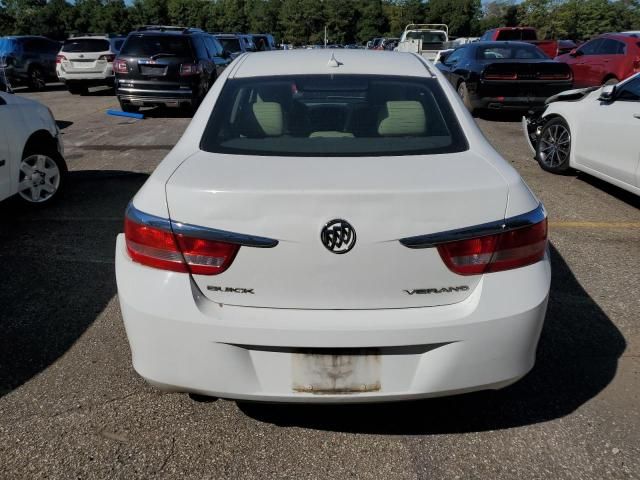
[[609, 54], [219, 58], [6, 187], [584, 64], [608, 132]]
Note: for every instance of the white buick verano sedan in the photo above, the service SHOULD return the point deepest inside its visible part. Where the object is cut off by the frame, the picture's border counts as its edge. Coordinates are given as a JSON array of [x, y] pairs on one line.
[[333, 227]]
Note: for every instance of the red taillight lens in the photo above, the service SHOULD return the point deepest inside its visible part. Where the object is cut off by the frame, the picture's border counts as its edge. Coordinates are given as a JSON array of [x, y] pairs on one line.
[[108, 58], [120, 66], [162, 249], [501, 76], [187, 69], [60, 58], [495, 253]]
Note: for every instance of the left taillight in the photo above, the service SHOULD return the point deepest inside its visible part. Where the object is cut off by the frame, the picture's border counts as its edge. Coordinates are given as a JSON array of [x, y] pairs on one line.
[[60, 58], [161, 248], [120, 66], [495, 253]]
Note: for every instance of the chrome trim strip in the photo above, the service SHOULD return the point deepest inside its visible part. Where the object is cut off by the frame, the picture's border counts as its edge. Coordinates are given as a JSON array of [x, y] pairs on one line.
[[146, 219], [222, 235], [196, 231], [491, 228]]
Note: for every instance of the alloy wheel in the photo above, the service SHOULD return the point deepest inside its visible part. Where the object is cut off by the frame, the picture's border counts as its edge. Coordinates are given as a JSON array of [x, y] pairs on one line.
[[39, 178], [555, 146]]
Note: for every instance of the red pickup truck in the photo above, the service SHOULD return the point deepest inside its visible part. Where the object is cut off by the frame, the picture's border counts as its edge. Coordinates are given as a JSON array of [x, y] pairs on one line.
[[552, 48]]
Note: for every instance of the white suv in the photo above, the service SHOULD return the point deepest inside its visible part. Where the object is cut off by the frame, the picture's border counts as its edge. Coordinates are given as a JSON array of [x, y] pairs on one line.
[[87, 61]]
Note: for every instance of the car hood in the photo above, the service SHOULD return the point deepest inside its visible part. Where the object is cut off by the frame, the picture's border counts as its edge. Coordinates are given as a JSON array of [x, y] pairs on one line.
[[572, 95]]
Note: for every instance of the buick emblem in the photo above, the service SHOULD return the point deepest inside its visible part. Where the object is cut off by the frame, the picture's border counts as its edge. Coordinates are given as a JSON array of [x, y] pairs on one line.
[[338, 236]]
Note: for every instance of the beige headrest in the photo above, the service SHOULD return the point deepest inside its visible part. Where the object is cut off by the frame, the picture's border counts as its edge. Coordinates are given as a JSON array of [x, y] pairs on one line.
[[269, 118], [400, 118]]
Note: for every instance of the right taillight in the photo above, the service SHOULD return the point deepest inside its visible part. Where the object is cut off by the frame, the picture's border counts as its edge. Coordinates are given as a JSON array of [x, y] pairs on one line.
[[494, 253], [161, 248], [120, 66]]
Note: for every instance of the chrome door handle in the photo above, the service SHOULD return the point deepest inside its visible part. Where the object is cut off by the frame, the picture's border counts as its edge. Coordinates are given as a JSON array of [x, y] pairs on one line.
[[2, 163], [636, 115]]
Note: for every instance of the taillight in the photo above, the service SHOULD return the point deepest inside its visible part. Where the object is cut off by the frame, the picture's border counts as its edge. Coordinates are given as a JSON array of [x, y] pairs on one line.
[[495, 253], [60, 58], [555, 76], [159, 248], [120, 66], [108, 58], [187, 69], [501, 76]]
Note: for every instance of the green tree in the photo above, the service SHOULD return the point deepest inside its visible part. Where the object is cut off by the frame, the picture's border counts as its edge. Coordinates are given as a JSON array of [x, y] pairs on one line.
[[372, 22], [462, 16], [302, 21]]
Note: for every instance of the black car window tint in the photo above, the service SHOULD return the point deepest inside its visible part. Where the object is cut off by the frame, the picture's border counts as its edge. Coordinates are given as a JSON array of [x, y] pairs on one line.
[[630, 91], [611, 47], [591, 48]]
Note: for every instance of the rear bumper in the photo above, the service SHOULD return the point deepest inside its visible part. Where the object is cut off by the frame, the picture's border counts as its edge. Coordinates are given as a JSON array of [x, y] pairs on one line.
[[145, 97], [504, 95], [181, 341], [104, 77]]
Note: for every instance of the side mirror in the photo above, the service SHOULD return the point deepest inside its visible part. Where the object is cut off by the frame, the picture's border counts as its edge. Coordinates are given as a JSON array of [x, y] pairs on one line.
[[608, 93]]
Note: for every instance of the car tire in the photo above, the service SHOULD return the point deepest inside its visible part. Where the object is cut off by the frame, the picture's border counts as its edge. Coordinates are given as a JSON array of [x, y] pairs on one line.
[[41, 177], [553, 151], [78, 89], [127, 107], [463, 92], [36, 80], [611, 81]]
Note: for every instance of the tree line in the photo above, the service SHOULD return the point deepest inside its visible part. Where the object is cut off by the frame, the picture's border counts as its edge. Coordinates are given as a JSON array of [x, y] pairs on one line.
[[303, 21]]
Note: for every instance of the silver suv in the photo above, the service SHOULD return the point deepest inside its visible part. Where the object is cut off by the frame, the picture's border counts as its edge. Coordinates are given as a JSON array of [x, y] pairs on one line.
[[87, 61]]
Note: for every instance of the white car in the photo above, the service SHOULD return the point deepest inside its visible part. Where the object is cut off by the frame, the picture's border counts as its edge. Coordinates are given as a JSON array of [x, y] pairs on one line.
[[31, 152], [594, 130], [87, 61], [333, 227]]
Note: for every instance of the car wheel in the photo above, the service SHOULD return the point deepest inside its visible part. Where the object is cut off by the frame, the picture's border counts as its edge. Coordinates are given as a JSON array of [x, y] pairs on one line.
[[36, 79], [40, 179], [127, 107], [77, 89], [464, 95], [611, 81], [554, 146]]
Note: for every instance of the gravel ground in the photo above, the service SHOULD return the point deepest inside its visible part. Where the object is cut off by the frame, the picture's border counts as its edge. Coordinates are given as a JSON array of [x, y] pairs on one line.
[[71, 405]]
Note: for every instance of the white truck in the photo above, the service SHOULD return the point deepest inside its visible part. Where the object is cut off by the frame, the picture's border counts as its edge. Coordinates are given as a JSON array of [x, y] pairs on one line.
[[427, 39]]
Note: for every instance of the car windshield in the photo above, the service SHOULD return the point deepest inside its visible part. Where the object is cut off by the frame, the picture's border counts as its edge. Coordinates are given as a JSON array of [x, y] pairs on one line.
[[333, 115], [230, 44], [86, 45], [427, 37], [8, 45], [510, 52], [149, 45]]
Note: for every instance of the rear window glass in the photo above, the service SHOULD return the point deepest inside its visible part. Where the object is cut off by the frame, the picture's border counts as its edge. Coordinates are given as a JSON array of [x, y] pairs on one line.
[[517, 35], [521, 52], [427, 37], [86, 45], [230, 44], [149, 45], [333, 115]]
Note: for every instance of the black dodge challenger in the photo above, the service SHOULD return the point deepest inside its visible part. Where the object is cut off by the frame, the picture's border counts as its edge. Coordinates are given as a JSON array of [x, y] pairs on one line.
[[504, 75]]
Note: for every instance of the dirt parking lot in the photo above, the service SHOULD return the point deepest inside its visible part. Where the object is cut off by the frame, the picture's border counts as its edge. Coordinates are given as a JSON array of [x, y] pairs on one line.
[[71, 405]]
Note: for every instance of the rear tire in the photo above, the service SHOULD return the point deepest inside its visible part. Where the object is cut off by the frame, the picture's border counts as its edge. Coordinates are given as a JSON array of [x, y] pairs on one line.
[[553, 151], [611, 81], [37, 81], [127, 107], [463, 92]]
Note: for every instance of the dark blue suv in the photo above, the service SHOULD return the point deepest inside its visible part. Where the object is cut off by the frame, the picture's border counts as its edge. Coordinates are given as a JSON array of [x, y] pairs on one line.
[[28, 60]]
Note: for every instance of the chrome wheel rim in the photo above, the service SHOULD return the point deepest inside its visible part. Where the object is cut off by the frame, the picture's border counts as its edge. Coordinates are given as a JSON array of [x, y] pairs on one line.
[[555, 145], [39, 178]]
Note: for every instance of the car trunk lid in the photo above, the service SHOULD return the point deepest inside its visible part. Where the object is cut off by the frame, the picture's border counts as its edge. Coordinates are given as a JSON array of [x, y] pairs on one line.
[[291, 199]]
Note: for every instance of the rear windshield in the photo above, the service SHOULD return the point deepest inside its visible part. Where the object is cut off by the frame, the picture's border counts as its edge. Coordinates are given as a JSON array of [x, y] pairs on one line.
[[427, 37], [8, 45], [527, 34], [86, 45], [511, 52], [333, 115], [230, 44], [150, 45]]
